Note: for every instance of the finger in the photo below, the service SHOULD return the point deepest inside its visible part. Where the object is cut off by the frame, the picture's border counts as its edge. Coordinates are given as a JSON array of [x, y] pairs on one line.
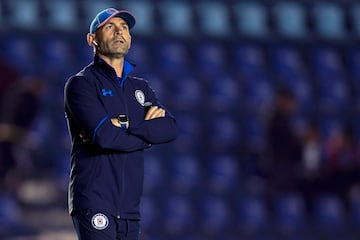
[[150, 112], [159, 113]]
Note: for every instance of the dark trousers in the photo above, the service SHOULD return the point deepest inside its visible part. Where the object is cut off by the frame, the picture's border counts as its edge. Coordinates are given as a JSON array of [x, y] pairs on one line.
[[100, 226]]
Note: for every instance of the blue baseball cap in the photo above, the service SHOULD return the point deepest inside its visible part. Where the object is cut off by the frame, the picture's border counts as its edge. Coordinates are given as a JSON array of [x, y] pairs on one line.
[[105, 15]]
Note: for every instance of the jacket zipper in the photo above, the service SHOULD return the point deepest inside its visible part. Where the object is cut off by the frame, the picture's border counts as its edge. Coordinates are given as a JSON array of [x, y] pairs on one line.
[[122, 192]]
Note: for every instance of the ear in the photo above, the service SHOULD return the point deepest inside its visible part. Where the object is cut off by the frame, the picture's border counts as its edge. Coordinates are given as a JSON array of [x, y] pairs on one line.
[[90, 38]]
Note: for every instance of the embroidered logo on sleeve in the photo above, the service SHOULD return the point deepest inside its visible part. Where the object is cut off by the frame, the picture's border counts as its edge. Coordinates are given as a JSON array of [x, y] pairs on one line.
[[100, 221], [140, 97]]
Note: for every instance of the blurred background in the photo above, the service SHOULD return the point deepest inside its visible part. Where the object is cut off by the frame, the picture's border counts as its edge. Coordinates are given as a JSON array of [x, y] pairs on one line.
[[266, 94]]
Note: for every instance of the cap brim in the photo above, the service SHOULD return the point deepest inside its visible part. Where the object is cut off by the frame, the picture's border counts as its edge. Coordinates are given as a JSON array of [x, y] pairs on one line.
[[126, 15]]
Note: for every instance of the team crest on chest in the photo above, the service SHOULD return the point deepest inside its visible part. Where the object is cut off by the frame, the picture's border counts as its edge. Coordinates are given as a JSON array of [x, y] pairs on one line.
[[100, 221], [140, 97]]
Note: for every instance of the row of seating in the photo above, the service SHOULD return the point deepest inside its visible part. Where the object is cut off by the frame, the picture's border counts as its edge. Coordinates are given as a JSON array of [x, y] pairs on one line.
[[251, 216], [289, 19]]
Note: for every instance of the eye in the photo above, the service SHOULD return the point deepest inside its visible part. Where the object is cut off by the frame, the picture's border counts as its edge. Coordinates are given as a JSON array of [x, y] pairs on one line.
[[109, 26]]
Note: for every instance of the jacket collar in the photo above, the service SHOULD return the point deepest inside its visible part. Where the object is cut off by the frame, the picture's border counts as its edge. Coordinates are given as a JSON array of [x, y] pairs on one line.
[[128, 67]]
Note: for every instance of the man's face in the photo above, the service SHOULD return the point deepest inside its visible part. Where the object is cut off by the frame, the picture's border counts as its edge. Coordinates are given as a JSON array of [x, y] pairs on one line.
[[114, 38]]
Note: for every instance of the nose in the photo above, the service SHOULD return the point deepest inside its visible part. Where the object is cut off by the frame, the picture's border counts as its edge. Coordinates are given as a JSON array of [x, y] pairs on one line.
[[119, 30]]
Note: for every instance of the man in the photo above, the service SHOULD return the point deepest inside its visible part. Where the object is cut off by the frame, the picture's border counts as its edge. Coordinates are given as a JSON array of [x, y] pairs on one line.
[[112, 117]]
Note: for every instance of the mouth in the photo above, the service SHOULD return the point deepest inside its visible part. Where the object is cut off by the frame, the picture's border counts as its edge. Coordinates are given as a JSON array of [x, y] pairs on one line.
[[119, 41]]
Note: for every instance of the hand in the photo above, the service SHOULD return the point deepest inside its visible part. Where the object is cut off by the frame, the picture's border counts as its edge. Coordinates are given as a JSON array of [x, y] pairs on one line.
[[116, 123], [155, 112]]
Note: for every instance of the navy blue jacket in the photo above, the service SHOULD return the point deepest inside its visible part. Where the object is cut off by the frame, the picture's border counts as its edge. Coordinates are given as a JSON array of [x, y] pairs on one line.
[[107, 164]]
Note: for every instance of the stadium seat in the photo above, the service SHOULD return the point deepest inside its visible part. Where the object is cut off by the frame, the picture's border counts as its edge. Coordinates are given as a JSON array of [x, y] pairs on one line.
[[329, 20], [326, 62], [150, 212], [214, 18], [210, 58], [176, 18], [253, 130], [190, 132], [355, 17], [24, 15], [186, 92], [153, 173], [144, 12], [224, 93], [329, 213], [184, 173], [287, 60], [58, 56], [172, 57], [223, 132], [62, 15], [251, 19], [223, 173], [140, 55], [215, 215], [20, 51], [291, 19], [290, 213], [248, 59], [257, 92], [178, 215], [252, 216]]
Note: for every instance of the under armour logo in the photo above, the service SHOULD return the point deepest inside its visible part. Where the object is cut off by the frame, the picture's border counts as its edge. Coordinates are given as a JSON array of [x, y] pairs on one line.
[[107, 92]]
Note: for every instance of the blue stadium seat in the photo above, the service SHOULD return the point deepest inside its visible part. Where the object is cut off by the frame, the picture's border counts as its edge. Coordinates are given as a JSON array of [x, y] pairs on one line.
[[177, 18], [224, 93], [355, 17], [253, 130], [287, 61], [57, 55], [329, 213], [187, 92], [251, 18], [249, 59], [24, 14], [257, 92], [353, 64], [329, 20], [223, 132], [144, 12], [62, 15], [19, 50], [178, 215], [253, 216], [172, 57], [223, 173], [216, 217], [189, 132], [214, 18], [184, 173], [210, 58], [150, 213], [326, 62], [140, 55], [153, 174], [290, 213], [333, 95], [291, 19]]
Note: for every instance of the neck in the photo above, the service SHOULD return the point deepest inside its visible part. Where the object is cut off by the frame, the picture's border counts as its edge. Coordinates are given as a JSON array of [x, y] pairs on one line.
[[115, 62]]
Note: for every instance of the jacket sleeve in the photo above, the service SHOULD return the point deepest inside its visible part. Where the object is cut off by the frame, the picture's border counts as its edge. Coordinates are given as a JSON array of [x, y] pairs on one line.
[[158, 130], [85, 109]]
